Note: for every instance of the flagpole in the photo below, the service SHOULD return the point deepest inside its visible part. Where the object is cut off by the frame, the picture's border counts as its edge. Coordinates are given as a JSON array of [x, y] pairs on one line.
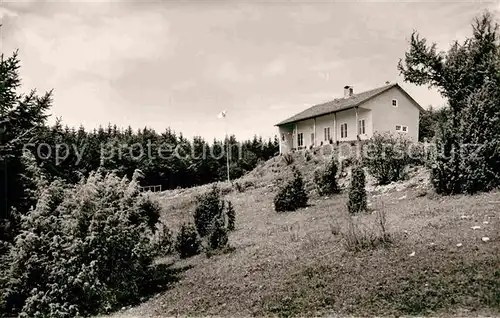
[[222, 115], [227, 158], [227, 153]]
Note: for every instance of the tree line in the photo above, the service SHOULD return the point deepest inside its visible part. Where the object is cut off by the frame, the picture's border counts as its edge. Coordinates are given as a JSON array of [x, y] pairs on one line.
[[167, 159]]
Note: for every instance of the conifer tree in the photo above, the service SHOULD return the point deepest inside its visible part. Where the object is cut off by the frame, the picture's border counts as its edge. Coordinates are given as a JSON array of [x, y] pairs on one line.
[[357, 191]]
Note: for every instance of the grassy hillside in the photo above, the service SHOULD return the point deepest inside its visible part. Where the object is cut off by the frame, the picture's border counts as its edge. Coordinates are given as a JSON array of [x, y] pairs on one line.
[[297, 263]]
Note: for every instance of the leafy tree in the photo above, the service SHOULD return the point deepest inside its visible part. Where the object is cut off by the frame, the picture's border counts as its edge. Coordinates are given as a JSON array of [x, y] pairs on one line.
[[462, 70], [468, 76], [430, 121]]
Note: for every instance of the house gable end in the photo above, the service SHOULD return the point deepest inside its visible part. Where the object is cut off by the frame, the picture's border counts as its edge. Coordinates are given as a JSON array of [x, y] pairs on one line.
[[417, 105]]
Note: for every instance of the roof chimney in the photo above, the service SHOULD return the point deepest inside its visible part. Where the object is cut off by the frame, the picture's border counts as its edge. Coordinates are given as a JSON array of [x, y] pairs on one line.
[[348, 91]]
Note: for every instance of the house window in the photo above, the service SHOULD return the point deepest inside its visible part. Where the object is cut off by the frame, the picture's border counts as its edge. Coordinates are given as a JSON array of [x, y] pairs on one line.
[[300, 139], [283, 137], [362, 128], [343, 130], [402, 128], [312, 139], [394, 103], [327, 133]]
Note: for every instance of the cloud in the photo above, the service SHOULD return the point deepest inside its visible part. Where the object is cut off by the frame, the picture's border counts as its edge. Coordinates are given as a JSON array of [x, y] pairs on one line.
[[4, 12], [310, 14], [98, 48], [229, 72], [184, 85], [81, 50], [275, 67], [326, 65]]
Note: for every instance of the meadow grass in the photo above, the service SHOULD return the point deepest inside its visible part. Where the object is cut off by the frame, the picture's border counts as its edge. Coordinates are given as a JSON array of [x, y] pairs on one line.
[[298, 263]]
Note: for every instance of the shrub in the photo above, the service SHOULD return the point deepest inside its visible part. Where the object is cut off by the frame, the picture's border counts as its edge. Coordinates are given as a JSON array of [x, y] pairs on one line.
[[293, 195], [325, 179], [218, 237], [163, 240], [346, 163], [357, 191], [187, 242], [210, 207], [82, 250], [231, 216], [150, 211], [387, 157], [418, 154], [445, 173]]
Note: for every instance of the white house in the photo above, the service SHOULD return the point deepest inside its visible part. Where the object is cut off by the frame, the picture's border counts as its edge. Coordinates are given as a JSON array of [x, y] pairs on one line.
[[355, 116]]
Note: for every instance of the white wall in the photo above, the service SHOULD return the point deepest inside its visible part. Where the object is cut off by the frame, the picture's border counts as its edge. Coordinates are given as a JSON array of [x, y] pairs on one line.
[[385, 117], [349, 117], [321, 123], [287, 144], [305, 127]]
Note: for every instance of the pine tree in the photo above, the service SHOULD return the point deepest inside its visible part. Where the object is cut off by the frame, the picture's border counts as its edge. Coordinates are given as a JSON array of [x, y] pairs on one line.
[[21, 117], [293, 195]]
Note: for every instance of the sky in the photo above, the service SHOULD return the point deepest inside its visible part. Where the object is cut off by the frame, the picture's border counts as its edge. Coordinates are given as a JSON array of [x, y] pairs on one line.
[[178, 64]]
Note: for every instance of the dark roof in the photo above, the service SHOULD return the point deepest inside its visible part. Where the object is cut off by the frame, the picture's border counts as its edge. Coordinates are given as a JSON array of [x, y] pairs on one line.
[[342, 104]]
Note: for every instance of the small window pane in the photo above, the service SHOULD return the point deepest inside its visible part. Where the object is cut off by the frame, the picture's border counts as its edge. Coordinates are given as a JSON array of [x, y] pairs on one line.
[[327, 133], [362, 130], [398, 127], [343, 130]]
